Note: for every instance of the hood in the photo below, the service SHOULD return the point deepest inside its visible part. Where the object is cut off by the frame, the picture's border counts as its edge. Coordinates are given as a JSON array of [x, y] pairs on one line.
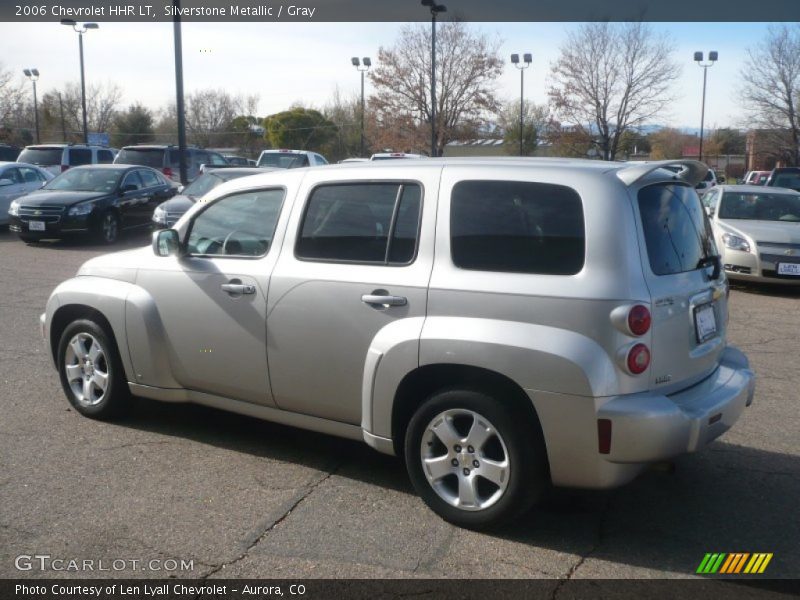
[[58, 197], [784, 232], [178, 204], [122, 266]]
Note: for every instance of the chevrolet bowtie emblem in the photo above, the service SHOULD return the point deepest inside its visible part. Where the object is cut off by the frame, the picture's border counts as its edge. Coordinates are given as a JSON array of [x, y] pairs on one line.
[[37, 212], [789, 252]]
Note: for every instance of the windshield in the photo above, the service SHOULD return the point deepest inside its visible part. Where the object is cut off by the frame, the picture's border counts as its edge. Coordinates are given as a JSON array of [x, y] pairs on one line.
[[41, 156], [151, 157], [676, 229], [202, 185], [283, 160], [787, 180], [86, 180], [760, 207]]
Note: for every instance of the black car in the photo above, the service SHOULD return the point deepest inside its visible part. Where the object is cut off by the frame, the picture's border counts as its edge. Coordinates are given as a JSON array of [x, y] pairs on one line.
[[168, 213], [785, 177], [99, 200]]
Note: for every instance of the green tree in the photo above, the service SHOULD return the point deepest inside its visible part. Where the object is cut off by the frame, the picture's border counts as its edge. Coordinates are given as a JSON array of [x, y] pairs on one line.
[[535, 121], [132, 126], [299, 128]]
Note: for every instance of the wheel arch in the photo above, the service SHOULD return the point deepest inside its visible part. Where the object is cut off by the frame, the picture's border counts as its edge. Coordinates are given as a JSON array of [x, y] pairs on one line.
[[68, 313]]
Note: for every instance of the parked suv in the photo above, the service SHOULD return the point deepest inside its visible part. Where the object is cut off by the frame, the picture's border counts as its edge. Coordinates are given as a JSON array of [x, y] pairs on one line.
[[503, 324], [57, 158], [166, 159]]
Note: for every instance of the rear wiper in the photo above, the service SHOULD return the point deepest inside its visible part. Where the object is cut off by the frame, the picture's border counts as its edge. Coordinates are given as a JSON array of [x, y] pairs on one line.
[[708, 261]]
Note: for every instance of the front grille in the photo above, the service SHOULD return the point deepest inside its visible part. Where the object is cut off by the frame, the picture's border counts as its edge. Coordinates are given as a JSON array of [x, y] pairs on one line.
[[776, 258], [778, 245], [738, 269], [46, 213]]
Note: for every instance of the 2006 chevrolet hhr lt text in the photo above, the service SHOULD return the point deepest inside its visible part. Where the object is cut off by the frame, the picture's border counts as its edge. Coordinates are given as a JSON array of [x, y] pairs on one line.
[[502, 324]]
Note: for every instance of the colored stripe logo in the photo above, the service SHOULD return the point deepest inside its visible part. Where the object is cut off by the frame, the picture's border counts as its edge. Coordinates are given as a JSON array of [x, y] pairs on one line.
[[734, 563]]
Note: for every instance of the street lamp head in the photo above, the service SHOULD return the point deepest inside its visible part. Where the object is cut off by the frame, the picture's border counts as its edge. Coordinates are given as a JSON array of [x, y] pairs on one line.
[[35, 72], [515, 58], [438, 8], [91, 26], [355, 61], [69, 22], [528, 58], [713, 55], [698, 56], [367, 62], [27, 72], [428, 3]]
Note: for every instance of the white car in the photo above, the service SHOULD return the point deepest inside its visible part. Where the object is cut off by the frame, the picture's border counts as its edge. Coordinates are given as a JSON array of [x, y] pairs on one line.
[[16, 180], [290, 159], [394, 155], [757, 231]]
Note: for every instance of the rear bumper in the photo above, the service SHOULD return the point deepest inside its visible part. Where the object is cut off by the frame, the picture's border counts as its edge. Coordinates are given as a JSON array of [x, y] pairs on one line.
[[648, 428]]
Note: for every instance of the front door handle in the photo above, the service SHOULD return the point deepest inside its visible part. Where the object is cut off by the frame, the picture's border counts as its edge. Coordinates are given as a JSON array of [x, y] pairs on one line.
[[384, 300], [238, 288]]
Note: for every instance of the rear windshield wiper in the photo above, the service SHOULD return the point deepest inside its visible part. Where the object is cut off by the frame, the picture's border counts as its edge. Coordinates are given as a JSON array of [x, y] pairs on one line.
[[708, 261]]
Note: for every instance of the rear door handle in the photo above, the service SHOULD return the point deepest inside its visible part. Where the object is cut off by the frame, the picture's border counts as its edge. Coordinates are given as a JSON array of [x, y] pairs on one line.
[[238, 288], [384, 300]]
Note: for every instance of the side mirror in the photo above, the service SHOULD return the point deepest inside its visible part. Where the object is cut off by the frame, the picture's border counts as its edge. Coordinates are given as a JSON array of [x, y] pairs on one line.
[[127, 188], [710, 211], [166, 243], [5, 182]]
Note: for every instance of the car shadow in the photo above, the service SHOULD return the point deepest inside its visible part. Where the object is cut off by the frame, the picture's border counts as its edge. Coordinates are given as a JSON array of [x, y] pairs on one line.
[[728, 498], [766, 289], [127, 240]]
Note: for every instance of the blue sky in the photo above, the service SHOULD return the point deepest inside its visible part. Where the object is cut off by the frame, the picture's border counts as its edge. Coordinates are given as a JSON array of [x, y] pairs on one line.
[[285, 63]]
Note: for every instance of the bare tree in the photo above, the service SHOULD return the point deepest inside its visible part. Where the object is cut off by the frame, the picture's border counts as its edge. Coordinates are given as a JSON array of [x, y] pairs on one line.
[[535, 123], [210, 114], [610, 78], [102, 104], [772, 89], [467, 65], [13, 106]]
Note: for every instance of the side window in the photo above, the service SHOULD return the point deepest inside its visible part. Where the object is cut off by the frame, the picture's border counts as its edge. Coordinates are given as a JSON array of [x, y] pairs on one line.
[[149, 178], [361, 222], [30, 175], [710, 199], [80, 156], [105, 157], [517, 227], [13, 174], [320, 159], [217, 159], [238, 225], [133, 179]]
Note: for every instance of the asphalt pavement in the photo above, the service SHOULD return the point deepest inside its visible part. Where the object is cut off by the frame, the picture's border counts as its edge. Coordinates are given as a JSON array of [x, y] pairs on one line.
[[236, 497]]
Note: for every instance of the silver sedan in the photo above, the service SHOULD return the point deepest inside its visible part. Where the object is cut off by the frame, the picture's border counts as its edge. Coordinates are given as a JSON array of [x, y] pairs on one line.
[[757, 231], [18, 179]]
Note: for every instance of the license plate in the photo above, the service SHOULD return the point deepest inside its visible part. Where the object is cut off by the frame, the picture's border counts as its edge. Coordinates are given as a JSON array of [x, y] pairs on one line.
[[36, 225], [705, 322], [789, 269]]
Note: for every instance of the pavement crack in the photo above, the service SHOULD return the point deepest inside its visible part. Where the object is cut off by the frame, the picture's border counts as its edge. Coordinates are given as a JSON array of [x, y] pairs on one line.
[[255, 540], [600, 538]]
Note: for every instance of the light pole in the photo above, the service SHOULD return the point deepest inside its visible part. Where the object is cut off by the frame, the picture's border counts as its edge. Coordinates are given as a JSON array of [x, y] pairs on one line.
[[527, 63], [81, 29], [435, 10], [367, 63], [698, 58], [33, 75]]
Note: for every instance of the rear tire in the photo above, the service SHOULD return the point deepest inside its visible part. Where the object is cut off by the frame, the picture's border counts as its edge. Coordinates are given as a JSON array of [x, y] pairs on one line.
[[91, 371], [108, 228], [472, 462]]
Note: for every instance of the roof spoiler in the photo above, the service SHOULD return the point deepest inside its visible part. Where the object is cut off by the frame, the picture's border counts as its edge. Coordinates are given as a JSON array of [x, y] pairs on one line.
[[692, 171]]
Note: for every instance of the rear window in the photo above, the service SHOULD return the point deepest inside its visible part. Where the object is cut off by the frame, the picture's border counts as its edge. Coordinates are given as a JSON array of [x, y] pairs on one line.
[[149, 158], [517, 227], [80, 156], [676, 229], [41, 156], [785, 180], [283, 160]]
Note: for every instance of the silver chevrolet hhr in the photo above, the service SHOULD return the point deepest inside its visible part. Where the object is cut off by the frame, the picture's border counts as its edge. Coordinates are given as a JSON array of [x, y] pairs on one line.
[[502, 324]]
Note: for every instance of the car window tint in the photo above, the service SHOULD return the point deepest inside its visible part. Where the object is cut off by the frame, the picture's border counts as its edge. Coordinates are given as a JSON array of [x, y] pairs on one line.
[[105, 157], [80, 156], [237, 225], [31, 175], [517, 227], [216, 159], [676, 229], [149, 157], [132, 178], [12, 174], [352, 223], [149, 178]]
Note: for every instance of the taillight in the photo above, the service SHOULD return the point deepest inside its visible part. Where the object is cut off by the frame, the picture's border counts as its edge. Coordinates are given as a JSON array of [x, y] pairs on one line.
[[638, 359], [639, 320], [167, 171]]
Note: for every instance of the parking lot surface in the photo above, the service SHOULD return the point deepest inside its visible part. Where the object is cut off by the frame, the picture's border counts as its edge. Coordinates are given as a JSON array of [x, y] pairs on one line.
[[243, 498]]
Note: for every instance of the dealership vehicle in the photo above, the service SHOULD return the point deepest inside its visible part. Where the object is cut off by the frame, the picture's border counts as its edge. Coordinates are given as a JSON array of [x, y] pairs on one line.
[[757, 230], [709, 181], [785, 177], [290, 159], [166, 158], [755, 178], [9, 153], [168, 213], [99, 200], [503, 324], [18, 179], [57, 158], [239, 161]]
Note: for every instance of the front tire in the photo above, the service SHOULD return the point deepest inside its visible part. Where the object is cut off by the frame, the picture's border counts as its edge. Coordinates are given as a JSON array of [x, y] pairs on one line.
[[91, 371], [471, 462]]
